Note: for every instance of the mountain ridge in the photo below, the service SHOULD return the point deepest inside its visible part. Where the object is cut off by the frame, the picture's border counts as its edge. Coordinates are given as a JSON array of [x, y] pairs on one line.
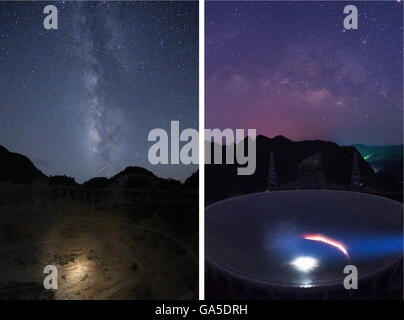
[[222, 181], [384, 159], [19, 169]]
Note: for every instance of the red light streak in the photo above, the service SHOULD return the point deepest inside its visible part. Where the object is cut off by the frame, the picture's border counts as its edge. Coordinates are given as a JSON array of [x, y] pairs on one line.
[[320, 238]]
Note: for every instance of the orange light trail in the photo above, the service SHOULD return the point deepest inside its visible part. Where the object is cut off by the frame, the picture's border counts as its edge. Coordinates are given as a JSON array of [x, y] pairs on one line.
[[329, 241]]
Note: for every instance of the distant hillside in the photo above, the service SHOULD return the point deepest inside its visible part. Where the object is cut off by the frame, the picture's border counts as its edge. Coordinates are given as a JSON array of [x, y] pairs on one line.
[[222, 181], [140, 178], [192, 183], [386, 160], [17, 168]]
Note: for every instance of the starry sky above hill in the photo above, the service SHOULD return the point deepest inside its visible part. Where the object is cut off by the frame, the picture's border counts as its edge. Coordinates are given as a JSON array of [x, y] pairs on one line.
[[290, 68], [82, 99]]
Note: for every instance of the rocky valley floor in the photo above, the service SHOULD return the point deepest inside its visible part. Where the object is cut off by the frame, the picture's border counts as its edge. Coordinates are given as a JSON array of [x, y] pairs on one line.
[[99, 254]]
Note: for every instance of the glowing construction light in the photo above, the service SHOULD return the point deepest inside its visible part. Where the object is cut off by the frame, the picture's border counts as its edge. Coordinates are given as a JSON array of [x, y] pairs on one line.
[[329, 241], [368, 156], [304, 264]]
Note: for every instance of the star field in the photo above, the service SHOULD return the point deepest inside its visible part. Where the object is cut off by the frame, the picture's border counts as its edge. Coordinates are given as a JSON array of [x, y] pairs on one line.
[[291, 68], [82, 99]]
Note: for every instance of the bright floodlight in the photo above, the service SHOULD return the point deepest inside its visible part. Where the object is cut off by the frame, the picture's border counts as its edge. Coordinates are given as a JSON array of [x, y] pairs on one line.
[[305, 264]]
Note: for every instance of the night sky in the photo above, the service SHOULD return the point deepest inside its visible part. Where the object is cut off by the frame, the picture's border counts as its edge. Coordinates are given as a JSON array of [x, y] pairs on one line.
[[82, 99], [292, 69]]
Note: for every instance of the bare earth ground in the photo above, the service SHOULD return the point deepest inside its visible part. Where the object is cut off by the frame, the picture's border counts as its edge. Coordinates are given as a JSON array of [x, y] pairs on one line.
[[99, 254]]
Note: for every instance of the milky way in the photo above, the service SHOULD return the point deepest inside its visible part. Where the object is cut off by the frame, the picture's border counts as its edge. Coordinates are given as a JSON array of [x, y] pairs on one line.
[[291, 68], [82, 99], [102, 120]]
